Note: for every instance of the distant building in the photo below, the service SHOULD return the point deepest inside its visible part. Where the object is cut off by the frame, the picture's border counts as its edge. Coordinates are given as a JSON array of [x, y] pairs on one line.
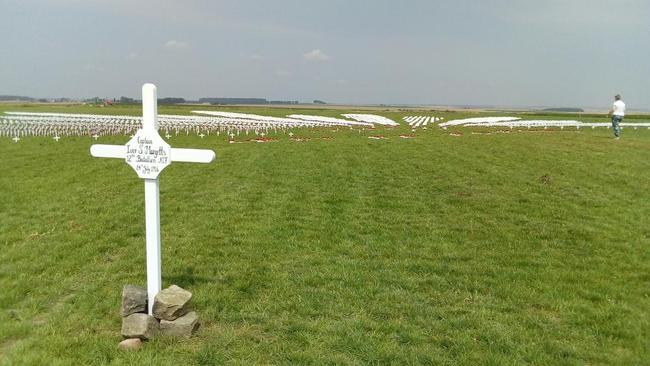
[[283, 102], [233, 101], [171, 100]]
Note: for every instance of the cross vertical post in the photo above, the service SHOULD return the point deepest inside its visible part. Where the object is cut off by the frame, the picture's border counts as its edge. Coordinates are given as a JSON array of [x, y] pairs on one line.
[[152, 202], [152, 227]]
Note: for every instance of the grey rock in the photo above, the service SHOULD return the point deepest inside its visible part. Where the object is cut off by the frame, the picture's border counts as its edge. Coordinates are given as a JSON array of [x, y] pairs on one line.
[[171, 303], [134, 300], [130, 344], [184, 326], [139, 325]]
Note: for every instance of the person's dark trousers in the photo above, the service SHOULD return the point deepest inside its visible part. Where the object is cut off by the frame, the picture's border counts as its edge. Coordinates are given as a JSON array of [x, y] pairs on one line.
[[616, 125]]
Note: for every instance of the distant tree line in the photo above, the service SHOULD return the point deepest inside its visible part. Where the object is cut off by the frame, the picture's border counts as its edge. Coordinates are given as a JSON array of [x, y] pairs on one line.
[[171, 100], [168, 100], [255, 101], [569, 110], [18, 98]]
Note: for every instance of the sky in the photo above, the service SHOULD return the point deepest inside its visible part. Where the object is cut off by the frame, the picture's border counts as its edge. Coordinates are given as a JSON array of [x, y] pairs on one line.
[[564, 53]]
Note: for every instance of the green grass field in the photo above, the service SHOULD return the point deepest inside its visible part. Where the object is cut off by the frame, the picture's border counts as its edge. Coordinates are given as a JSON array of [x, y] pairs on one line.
[[502, 249]]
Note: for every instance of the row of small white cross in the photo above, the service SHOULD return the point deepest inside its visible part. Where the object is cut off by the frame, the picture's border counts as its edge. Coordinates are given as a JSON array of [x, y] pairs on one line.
[[96, 136]]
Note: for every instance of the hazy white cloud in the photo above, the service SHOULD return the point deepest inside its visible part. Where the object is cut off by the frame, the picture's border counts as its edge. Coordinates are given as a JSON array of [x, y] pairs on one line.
[[282, 72], [176, 44], [132, 56], [94, 68], [256, 57], [316, 55], [576, 14]]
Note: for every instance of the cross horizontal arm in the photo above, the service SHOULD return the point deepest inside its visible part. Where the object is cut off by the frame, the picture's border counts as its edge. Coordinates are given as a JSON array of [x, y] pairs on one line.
[[193, 155], [108, 151], [181, 155]]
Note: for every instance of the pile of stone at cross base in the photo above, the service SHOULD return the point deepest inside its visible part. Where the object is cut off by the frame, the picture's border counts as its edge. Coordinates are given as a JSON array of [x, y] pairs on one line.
[[172, 315]]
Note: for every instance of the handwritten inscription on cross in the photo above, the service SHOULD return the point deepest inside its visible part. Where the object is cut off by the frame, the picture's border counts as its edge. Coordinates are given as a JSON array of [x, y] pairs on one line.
[[148, 154]]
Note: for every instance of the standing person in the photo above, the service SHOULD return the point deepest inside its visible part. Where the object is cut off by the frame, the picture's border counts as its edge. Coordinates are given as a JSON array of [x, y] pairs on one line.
[[617, 113]]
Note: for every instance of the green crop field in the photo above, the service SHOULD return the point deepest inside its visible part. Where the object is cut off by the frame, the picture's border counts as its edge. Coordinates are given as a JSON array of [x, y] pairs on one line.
[[510, 248]]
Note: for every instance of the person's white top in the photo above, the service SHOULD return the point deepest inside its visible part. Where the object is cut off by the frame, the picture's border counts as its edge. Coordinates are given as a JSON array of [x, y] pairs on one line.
[[618, 108]]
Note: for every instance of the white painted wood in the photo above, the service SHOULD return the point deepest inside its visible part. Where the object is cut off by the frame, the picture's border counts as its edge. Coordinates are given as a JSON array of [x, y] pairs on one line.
[[177, 154], [149, 107], [108, 151], [152, 224], [193, 155], [149, 154]]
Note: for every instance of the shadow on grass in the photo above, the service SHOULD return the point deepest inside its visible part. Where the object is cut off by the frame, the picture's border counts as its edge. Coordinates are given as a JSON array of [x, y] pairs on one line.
[[186, 279]]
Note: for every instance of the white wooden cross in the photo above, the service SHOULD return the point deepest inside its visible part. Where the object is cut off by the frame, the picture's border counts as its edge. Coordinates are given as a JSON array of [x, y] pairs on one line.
[[149, 154]]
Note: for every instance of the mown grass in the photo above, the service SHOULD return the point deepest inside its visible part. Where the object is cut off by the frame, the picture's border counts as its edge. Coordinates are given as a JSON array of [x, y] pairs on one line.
[[508, 248]]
